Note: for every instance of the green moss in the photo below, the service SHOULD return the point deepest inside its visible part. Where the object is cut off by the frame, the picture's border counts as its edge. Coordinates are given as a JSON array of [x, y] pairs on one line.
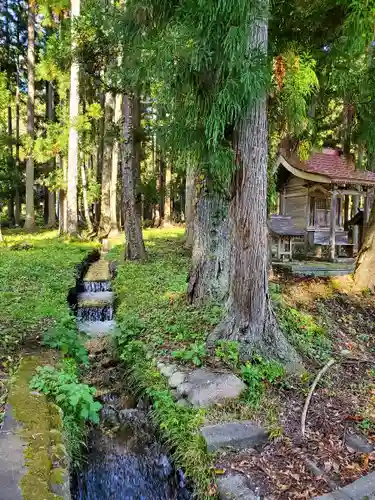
[[55, 436], [57, 475], [32, 411], [55, 416], [58, 453]]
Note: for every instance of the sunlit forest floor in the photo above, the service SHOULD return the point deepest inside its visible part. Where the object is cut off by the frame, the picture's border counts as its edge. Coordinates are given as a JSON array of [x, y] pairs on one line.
[[322, 318]]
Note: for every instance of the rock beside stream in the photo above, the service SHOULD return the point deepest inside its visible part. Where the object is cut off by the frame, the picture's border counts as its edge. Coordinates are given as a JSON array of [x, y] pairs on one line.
[[202, 387]]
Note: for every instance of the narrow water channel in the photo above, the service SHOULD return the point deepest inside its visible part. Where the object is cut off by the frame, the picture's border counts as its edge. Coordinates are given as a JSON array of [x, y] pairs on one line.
[[124, 458]]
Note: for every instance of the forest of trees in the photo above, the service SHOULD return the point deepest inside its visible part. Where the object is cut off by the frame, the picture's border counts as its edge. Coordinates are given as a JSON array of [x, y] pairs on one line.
[[125, 114]]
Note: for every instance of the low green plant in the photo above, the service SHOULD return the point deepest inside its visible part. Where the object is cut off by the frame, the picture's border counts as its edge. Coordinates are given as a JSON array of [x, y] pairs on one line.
[[229, 352], [367, 425], [131, 327], [195, 353], [257, 374], [64, 337], [63, 387], [304, 333], [179, 425]]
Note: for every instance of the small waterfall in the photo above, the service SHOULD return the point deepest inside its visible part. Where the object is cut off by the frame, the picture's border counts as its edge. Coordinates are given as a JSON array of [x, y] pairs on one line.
[[97, 286], [95, 313]]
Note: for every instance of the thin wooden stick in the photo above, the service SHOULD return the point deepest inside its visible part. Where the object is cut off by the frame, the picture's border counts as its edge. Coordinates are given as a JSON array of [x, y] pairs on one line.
[[311, 392]]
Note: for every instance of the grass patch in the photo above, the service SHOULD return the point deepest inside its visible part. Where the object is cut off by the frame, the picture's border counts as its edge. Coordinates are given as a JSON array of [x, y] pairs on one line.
[[179, 425], [34, 284], [155, 321]]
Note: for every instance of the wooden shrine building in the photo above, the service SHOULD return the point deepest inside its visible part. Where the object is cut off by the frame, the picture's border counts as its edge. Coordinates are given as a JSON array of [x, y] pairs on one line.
[[318, 198]]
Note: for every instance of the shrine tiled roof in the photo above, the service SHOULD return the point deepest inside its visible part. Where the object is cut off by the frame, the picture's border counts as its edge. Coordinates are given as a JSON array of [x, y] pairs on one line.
[[333, 165]]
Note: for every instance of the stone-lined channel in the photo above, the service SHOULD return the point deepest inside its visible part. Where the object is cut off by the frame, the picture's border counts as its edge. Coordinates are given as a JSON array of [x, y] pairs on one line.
[[124, 460]]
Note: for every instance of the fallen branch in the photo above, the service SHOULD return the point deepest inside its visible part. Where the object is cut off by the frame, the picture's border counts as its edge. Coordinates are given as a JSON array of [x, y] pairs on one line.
[[311, 392]]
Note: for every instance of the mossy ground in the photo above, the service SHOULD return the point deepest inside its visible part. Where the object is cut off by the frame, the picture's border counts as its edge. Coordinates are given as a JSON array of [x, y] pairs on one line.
[[34, 284], [32, 411]]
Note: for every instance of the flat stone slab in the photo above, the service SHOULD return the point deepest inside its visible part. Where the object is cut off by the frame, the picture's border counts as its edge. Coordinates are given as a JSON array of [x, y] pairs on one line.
[[359, 443], [96, 328], [12, 466], [98, 271], [235, 435], [362, 489], [205, 388], [93, 298], [235, 487]]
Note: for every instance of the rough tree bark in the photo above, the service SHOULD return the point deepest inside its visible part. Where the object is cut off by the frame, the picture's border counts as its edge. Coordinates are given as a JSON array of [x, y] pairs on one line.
[[209, 273], [167, 212], [190, 202], [99, 157], [105, 205], [250, 318], [135, 249], [137, 153], [17, 198], [63, 212], [114, 173], [10, 128], [51, 193], [86, 209], [364, 275], [72, 212], [30, 216]]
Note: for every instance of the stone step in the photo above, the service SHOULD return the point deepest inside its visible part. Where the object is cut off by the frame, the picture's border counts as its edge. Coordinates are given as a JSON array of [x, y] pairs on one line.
[[96, 328], [98, 271], [235, 435], [93, 299], [361, 489], [235, 487]]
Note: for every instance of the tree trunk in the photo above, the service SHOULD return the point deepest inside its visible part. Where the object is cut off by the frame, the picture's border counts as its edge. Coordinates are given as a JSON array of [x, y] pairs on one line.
[[45, 205], [11, 209], [17, 198], [190, 202], [114, 173], [364, 275], [99, 158], [250, 318], [63, 212], [167, 212], [105, 206], [137, 150], [161, 187], [209, 274], [10, 130], [51, 194], [135, 249], [30, 215], [85, 201], [72, 212]]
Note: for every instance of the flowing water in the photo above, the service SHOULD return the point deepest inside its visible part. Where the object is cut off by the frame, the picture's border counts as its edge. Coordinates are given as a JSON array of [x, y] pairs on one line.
[[124, 460]]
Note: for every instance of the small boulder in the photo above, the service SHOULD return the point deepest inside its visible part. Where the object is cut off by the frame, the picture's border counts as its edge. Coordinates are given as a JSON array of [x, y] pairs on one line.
[[168, 370], [215, 388], [183, 402], [235, 487], [133, 418], [109, 416], [235, 435], [183, 389], [176, 379], [358, 443]]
